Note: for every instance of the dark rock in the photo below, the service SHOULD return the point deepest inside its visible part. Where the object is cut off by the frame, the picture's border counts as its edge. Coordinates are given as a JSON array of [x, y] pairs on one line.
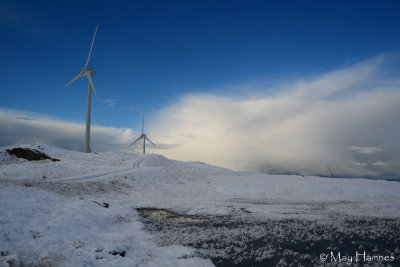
[[29, 154], [118, 252]]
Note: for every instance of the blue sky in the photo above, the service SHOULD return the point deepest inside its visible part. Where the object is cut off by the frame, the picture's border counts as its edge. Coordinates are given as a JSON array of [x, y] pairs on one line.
[[149, 55]]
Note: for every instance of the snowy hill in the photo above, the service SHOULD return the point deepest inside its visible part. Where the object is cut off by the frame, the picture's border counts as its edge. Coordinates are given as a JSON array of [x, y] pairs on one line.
[[123, 209]]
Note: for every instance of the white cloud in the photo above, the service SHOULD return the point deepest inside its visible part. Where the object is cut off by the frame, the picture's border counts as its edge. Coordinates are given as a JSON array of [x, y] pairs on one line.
[[360, 164], [379, 163], [340, 119], [110, 102], [312, 123], [25, 127], [132, 108], [365, 150]]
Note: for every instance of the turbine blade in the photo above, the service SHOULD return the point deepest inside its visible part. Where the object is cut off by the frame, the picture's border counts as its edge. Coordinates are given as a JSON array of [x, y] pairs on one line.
[[150, 141], [90, 51], [91, 84], [135, 141], [142, 123], [74, 79]]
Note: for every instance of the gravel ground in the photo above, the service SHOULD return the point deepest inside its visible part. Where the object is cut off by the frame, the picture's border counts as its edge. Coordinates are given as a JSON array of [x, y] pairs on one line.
[[247, 241]]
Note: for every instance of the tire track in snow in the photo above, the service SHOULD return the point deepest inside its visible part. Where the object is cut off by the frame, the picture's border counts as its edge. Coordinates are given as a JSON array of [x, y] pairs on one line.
[[136, 164]]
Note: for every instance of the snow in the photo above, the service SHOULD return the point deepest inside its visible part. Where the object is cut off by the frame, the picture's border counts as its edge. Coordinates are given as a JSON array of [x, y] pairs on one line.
[[49, 213]]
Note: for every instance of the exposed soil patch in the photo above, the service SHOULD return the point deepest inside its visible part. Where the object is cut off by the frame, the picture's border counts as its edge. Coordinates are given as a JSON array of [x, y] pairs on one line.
[[29, 154], [162, 215], [241, 241]]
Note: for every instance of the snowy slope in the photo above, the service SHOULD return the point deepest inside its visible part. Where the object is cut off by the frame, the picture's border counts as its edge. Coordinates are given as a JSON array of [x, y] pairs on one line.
[[49, 214]]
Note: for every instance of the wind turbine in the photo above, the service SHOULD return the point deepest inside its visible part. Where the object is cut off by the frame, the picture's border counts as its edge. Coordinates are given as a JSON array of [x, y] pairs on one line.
[[88, 72], [144, 136]]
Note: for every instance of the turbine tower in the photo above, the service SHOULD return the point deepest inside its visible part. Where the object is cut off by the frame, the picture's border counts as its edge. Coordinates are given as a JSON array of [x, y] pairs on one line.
[[144, 136], [88, 72]]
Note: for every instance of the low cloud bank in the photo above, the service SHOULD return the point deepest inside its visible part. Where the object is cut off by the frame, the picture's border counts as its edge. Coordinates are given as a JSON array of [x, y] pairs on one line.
[[24, 127], [345, 122]]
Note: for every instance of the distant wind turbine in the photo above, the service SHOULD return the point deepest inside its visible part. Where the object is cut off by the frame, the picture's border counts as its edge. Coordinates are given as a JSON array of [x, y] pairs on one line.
[[144, 137], [88, 72]]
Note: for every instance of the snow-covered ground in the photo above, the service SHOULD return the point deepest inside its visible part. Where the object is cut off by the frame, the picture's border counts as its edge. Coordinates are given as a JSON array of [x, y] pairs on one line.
[[168, 213]]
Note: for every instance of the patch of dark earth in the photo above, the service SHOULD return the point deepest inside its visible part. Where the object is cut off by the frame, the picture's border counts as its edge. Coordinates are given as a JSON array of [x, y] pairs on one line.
[[29, 154], [247, 241]]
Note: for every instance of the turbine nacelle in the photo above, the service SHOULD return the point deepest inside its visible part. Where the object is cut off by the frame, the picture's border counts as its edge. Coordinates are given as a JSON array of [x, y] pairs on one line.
[[87, 69], [88, 72]]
